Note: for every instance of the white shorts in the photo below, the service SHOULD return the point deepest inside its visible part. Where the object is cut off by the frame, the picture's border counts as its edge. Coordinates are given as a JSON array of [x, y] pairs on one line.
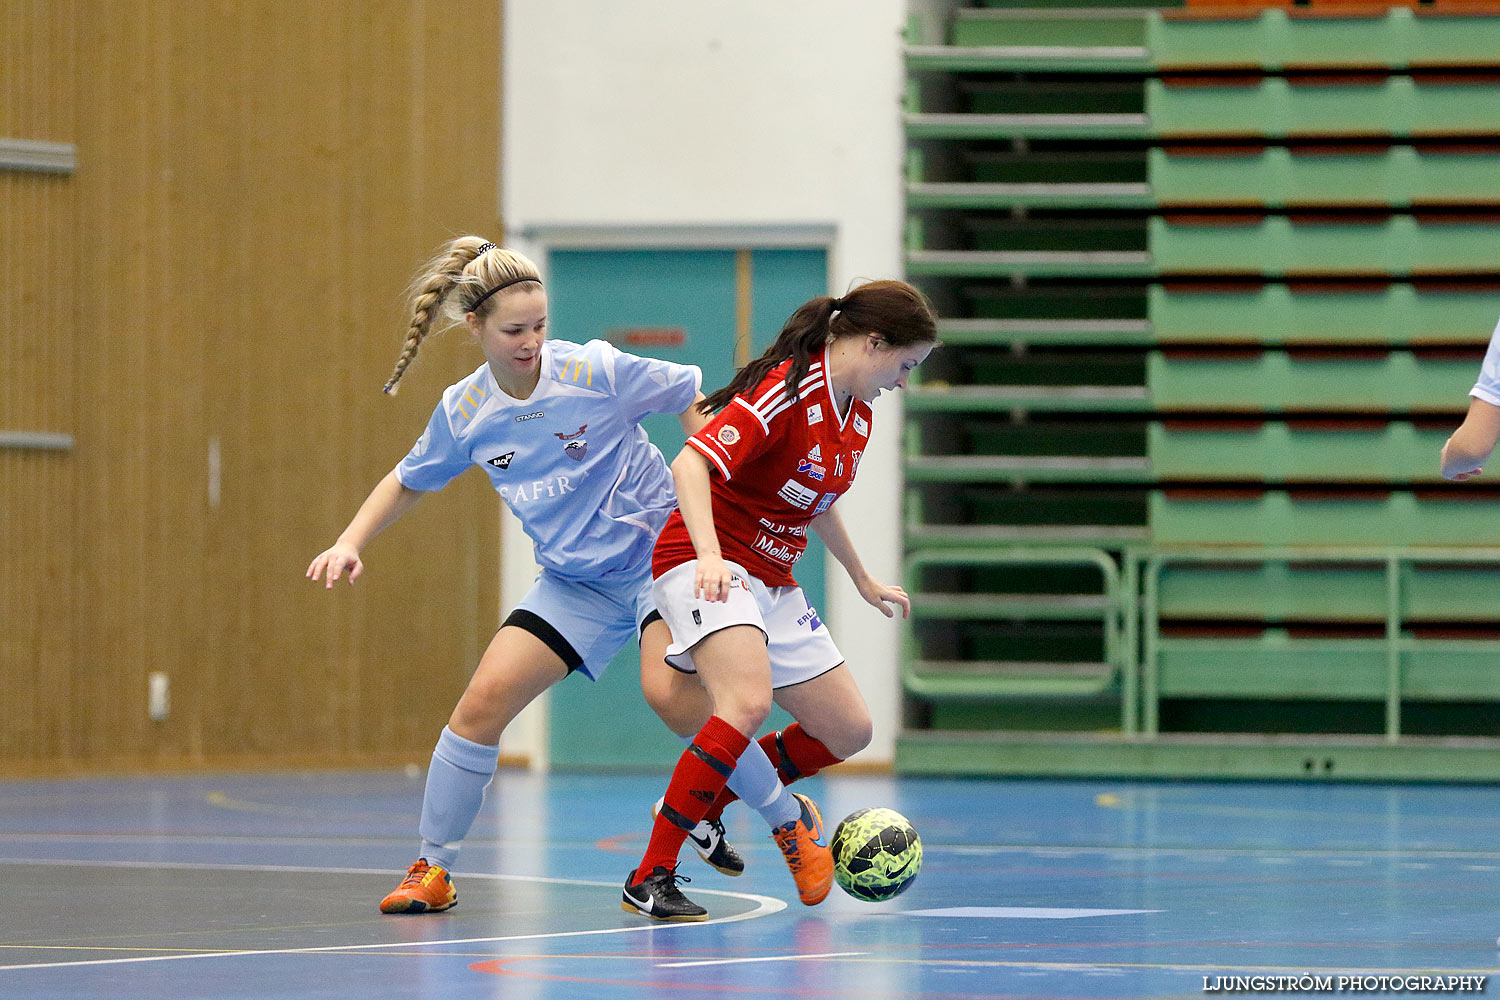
[[797, 641]]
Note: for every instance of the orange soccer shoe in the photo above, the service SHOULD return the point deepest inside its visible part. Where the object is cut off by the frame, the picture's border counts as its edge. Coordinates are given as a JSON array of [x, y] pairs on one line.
[[426, 889], [806, 852]]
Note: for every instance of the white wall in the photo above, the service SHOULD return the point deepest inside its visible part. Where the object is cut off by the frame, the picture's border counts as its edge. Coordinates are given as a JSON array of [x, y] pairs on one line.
[[713, 114]]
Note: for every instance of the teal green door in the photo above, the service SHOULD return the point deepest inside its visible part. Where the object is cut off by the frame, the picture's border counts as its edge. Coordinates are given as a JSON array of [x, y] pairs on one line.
[[682, 305]]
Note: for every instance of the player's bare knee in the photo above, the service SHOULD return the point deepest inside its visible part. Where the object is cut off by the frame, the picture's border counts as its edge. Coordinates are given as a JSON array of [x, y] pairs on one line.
[[746, 714], [482, 712], [852, 736], [657, 690], [679, 718]]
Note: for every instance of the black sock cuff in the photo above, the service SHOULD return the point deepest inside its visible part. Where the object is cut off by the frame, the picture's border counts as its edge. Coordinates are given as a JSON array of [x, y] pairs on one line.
[[676, 818], [789, 771], [718, 765]]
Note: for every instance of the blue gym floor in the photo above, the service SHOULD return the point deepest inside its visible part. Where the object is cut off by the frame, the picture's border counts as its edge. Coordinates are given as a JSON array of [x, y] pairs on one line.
[[266, 887]]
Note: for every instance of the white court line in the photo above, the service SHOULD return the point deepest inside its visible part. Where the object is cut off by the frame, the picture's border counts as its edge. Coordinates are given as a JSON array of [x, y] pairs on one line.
[[767, 958], [1392, 853], [1124, 850], [249, 838], [765, 906], [306, 870], [1020, 912]]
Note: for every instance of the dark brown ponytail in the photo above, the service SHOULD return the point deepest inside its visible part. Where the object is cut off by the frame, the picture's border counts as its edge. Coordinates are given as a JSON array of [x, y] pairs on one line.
[[892, 309], [805, 333]]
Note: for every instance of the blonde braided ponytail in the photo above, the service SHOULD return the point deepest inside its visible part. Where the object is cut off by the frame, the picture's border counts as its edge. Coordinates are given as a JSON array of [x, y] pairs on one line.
[[468, 265]]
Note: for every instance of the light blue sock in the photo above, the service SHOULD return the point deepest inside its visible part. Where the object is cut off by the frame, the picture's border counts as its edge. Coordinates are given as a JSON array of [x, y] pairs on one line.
[[756, 783], [461, 771]]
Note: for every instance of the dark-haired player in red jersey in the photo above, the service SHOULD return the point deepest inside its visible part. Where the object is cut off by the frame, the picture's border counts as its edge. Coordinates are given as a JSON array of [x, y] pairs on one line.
[[786, 443]]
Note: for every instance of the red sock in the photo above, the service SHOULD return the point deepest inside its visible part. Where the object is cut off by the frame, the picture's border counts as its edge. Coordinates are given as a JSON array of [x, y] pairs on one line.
[[696, 782], [793, 753], [796, 754]]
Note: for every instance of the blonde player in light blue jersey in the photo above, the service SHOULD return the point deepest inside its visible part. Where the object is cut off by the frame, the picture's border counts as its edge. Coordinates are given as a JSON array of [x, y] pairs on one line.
[[1469, 448], [556, 427]]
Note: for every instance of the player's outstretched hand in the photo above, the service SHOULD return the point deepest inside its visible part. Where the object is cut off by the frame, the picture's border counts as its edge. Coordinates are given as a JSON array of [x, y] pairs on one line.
[[336, 561], [712, 580], [1458, 466], [879, 595]]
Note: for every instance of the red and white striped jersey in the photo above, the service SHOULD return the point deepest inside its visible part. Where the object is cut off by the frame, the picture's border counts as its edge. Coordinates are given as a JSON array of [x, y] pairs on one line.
[[778, 462]]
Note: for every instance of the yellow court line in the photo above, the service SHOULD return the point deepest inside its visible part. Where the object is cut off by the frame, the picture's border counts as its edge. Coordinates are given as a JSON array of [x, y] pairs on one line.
[[222, 801], [104, 948]]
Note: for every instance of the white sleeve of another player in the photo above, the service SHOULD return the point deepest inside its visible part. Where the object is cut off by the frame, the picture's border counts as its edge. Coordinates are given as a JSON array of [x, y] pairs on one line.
[[1488, 386]]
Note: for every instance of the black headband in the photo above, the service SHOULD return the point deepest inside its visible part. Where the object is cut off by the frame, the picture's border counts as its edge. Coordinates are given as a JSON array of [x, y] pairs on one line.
[[504, 284]]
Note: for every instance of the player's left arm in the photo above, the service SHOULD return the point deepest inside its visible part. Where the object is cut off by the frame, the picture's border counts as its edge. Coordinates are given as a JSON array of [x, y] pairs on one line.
[[829, 527], [1465, 453]]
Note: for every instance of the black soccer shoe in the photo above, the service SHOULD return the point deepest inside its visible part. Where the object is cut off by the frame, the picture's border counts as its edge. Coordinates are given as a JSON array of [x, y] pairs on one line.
[[657, 896], [709, 841]]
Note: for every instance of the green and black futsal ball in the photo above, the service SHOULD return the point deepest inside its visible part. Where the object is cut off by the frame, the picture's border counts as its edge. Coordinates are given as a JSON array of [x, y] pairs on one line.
[[876, 854]]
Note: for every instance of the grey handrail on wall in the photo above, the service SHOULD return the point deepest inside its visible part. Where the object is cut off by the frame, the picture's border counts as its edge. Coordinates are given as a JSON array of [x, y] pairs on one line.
[[36, 440], [35, 155]]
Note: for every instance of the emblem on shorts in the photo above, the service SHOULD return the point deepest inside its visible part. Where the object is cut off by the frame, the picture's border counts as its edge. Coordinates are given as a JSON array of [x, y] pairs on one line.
[[727, 435], [575, 445], [697, 618], [501, 461]]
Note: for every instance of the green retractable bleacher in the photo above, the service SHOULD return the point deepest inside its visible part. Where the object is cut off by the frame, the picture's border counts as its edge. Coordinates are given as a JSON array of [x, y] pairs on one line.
[[1214, 285]]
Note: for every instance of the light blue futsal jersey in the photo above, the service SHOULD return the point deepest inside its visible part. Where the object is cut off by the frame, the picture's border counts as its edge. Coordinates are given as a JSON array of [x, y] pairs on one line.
[[1488, 386], [571, 461]]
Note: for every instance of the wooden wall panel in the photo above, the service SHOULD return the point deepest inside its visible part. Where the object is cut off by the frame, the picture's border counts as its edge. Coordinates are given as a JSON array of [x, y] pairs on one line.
[[256, 190], [38, 277]]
